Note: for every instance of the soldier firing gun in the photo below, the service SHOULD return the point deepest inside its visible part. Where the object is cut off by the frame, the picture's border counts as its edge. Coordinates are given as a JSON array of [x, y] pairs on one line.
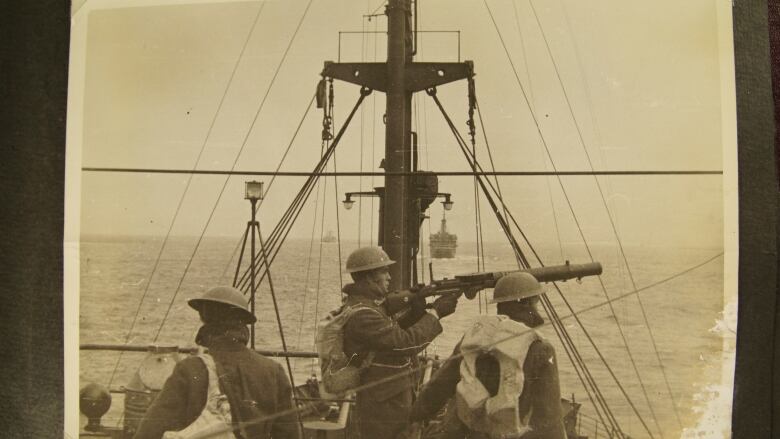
[[470, 284]]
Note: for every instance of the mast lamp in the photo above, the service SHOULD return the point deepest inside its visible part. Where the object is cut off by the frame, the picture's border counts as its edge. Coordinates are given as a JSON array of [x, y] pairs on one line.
[[349, 202], [253, 190], [447, 203]]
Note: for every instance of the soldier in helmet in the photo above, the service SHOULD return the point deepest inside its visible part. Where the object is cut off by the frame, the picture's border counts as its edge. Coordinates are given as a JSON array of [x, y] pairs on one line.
[[255, 386], [502, 379], [376, 341]]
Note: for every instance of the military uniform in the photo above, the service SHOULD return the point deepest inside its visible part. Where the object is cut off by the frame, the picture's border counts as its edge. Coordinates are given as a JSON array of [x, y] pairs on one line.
[[256, 387], [540, 396], [383, 409]]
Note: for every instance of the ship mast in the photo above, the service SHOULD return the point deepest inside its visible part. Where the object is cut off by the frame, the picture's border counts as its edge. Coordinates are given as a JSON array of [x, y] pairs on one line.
[[406, 193], [396, 209]]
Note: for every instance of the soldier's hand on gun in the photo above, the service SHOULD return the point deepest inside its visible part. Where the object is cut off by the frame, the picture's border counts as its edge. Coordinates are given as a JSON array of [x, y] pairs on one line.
[[471, 292], [445, 305]]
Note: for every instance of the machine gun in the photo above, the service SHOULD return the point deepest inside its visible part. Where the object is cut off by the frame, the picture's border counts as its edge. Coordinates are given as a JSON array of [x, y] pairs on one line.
[[470, 284]]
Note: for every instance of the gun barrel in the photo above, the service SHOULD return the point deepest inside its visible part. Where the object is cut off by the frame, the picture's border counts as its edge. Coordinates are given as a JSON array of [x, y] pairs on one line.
[[550, 273], [565, 272]]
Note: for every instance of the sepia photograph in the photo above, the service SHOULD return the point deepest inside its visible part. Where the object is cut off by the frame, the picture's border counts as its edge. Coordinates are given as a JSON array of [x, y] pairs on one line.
[[400, 219]]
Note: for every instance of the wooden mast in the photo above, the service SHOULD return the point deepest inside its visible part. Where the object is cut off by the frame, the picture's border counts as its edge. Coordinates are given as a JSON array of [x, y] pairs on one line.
[[399, 77]]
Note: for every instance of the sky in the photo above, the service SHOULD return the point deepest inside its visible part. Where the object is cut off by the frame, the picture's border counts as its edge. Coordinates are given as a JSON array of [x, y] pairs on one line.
[[626, 85]]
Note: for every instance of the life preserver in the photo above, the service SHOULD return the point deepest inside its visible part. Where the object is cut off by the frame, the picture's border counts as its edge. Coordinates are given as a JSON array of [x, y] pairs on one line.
[[508, 342], [215, 420], [339, 373]]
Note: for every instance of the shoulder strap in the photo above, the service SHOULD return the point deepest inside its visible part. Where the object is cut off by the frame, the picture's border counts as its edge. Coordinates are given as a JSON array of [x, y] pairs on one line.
[[211, 369], [351, 310]]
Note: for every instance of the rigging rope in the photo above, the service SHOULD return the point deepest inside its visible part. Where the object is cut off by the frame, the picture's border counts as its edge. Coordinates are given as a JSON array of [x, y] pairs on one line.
[[502, 222], [544, 143], [338, 221], [283, 227], [275, 174], [325, 139], [319, 266], [373, 141], [186, 189], [308, 263], [477, 208], [294, 210], [611, 220], [569, 346], [398, 173], [235, 162], [278, 317], [362, 126], [389, 378], [531, 105]]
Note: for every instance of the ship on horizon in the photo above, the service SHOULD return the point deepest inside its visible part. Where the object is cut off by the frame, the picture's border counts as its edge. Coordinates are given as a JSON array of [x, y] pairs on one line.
[[330, 237], [443, 244]]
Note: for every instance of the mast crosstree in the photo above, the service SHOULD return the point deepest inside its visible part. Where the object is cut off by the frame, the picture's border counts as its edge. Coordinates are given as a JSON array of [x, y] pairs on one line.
[[399, 78]]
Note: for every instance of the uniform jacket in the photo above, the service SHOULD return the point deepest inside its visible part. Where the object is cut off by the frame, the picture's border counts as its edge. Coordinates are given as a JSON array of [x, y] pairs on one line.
[[541, 394], [255, 386], [371, 329]]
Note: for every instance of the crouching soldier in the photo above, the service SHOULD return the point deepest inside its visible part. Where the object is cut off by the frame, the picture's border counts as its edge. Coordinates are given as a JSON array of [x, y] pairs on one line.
[[502, 380], [384, 350], [235, 385]]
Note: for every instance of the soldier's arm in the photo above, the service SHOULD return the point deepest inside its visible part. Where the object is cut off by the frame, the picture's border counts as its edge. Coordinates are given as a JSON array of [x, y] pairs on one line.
[[168, 410], [542, 392], [441, 387], [284, 427], [379, 333]]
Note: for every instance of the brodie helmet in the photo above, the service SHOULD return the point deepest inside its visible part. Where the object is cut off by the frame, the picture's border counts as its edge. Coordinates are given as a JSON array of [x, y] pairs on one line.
[[227, 296], [367, 258], [516, 286]]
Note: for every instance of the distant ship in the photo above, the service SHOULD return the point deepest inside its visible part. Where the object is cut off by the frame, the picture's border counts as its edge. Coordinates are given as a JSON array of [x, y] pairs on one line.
[[443, 244], [330, 237]]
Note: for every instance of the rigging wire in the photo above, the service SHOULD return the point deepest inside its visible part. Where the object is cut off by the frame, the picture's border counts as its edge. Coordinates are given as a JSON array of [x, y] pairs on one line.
[[285, 223], [477, 208], [278, 317], [569, 346], [504, 225], [560, 182], [399, 173], [362, 126], [274, 175], [508, 338], [325, 139], [338, 221], [373, 140], [309, 260], [186, 188], [531, 104], [283, 227], [585, 378], [235, 162], [611, 220], [319, 265], [378, 7]]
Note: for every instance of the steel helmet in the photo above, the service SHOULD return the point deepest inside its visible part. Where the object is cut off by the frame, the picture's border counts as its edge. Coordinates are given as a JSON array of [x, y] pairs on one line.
[[367, 258], [516, 286], [226, 296]]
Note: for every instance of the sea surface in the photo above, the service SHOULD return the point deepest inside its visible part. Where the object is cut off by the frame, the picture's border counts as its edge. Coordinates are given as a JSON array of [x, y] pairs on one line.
[[125, 295]]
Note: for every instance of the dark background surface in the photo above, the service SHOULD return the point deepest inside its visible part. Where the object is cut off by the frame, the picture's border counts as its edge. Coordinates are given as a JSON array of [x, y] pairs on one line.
[[33, 84], [33, 69], [756, 412]]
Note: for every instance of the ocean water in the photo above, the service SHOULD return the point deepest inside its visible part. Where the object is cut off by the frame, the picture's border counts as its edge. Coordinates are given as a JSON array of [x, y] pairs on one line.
[[683, 315]]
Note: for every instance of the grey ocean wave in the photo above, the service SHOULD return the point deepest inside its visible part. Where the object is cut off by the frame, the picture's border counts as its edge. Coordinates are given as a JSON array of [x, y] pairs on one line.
[[115, 273]]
